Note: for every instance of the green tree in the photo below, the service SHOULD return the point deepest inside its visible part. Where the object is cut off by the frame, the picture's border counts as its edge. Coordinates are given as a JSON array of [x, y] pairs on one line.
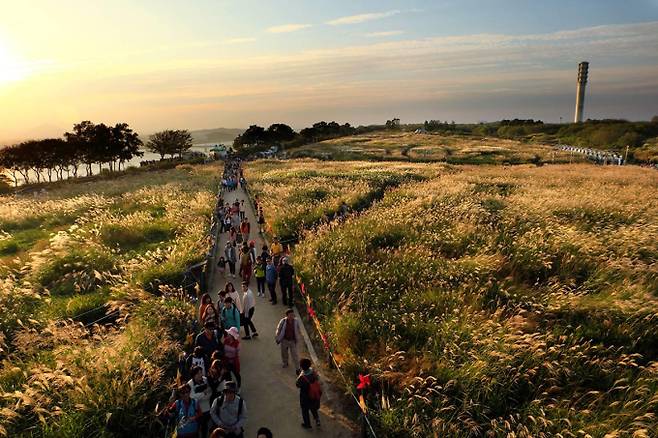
[[125, 144], [170, 142], [183, 141], [280, 132]]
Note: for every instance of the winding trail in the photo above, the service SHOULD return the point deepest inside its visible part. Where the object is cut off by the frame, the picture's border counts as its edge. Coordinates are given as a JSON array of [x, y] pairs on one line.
[[269, 391]]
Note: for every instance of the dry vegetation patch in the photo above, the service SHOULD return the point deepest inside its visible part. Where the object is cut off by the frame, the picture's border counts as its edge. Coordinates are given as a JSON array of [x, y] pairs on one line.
[[496, 300], [85, 250]]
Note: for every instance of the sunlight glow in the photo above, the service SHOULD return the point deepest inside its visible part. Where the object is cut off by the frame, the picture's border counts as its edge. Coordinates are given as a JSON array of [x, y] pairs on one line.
[[11, 69]]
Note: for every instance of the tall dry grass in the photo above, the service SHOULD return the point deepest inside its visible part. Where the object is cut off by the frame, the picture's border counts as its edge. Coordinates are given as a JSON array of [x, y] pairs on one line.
[[116, 248], [498, 301]]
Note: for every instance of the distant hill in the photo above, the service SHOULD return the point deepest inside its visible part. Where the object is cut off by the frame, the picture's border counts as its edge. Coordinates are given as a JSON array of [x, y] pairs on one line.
[[215, 135]]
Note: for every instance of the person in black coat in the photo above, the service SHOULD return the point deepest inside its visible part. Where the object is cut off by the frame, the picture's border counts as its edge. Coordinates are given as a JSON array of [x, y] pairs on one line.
[[208, 340], [286, 279], [308, 377]]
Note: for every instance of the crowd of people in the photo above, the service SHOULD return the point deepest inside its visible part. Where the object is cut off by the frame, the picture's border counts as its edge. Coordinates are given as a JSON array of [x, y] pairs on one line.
[[207, 400], [599, 157]]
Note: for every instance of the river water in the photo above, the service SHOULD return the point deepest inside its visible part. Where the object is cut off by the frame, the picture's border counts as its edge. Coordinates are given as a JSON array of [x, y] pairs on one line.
[[148, 156]]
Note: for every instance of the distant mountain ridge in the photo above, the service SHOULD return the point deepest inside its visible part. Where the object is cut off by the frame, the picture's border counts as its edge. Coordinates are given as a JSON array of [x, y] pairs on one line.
[[215, 135]]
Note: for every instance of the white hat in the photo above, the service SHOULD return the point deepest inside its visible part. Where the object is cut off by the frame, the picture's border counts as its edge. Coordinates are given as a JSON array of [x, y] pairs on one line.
[[233, 331]]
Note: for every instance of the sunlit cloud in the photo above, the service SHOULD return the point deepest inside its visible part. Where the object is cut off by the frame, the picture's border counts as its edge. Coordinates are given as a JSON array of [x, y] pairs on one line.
[[350, 81], [387, 33], [286, 28], [360, 18], [239, 40]]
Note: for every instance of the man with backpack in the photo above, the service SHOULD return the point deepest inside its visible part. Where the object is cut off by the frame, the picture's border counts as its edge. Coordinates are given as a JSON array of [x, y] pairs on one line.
[[228, 413], [230, 314], [310, 393]]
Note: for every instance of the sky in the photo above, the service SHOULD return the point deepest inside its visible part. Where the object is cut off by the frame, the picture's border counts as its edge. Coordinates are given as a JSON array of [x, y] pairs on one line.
[[173, 64]]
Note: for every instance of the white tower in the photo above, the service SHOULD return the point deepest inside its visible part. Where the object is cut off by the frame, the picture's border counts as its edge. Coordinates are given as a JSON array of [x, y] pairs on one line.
[[583, 67]]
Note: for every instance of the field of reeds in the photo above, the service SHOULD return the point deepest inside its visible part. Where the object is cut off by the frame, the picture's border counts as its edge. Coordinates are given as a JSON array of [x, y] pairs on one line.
[[489, 301], [90, 325], [309, 193], [452, 149]]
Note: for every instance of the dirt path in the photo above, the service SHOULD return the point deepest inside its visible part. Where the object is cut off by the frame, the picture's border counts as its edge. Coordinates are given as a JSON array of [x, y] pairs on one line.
[[269, 390]]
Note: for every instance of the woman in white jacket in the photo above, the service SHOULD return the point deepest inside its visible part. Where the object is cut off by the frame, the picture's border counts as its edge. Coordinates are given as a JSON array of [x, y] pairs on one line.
[[201, 392]]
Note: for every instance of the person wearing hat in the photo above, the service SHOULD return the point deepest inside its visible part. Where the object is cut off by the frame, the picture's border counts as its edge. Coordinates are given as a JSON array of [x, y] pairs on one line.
[[288, 333], [228, 413], [232, 352], [286, 276]]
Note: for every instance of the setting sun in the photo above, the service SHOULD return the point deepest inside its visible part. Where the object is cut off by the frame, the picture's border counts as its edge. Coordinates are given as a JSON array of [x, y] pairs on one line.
[[11, 69]]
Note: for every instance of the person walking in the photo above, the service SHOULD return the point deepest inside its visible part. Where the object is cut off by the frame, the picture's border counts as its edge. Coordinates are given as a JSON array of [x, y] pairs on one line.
[[228, 413], [197, 359], [286, 278], [207, 310], [288, 334], [186, 413], [245, 265], [310, 393], [245, 229], [231, 292], [231, 256], [232, 352], [201, 392], [248, 309], [277, 250], [271, 275], [261, 221], [208, 340], [227, 221], [259, 273], [252, 252], [221, 265], [230, 314]]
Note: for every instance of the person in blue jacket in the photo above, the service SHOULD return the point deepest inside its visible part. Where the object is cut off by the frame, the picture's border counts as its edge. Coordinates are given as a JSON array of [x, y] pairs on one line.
[[271, 275]]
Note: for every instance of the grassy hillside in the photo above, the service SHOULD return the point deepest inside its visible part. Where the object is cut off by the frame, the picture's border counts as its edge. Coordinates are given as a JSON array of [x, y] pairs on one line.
[[453, 149], [490, 301], [114, 248]]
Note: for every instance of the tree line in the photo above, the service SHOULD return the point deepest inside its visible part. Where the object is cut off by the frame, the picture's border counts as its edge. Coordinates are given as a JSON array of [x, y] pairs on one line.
[[87, 145], [257, 138]]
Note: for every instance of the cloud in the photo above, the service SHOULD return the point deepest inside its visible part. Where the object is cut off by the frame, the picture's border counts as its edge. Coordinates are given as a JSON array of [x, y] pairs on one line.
[[469, 77], [239, 40], [355, 19], [384, 34], [285, 28]]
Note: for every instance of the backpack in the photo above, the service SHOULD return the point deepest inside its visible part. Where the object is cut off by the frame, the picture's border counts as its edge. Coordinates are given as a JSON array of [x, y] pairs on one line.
[[314, 389], [220, 402]]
